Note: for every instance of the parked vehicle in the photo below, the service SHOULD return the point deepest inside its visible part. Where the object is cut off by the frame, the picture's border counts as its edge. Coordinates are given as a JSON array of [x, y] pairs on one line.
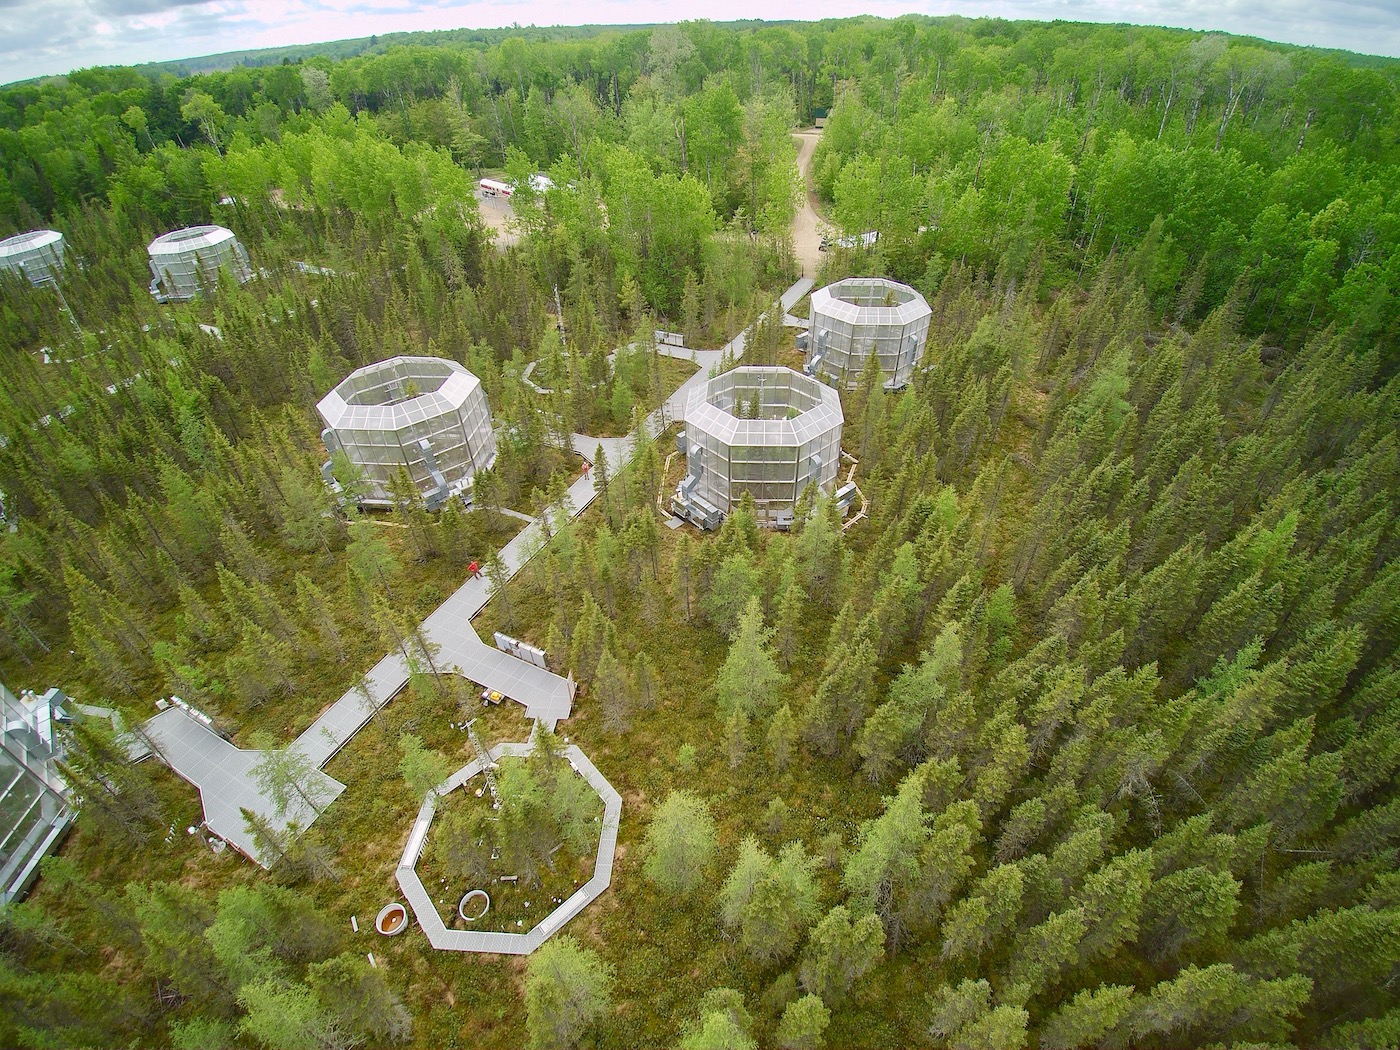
[[864, 240]]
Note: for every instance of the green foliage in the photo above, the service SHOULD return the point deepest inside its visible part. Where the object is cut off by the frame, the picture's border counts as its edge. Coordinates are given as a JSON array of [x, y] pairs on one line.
[[680, 843], [723, 1023], [1123, 600], [359, 999], [954, 1009], [889, 845], [769, 902], [201, 1033], [280, 1015], [1088, 1018], [543, 804], [750, 679], [290, 780], [841, 951], [803, 1024], [734, 586], [976, 922], [782, 738], [421, 768], [567, 989]]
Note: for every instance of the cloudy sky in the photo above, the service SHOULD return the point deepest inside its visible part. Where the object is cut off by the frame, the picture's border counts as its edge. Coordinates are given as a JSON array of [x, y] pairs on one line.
[[39, 37]]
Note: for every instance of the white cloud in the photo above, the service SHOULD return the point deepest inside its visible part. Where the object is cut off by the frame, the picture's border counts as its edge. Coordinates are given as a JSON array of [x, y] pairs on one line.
[[55, 36]]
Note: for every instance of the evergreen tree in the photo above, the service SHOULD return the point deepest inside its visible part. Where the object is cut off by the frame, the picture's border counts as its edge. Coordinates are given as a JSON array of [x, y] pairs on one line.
[[723, 1023], [359, 999], [976, 922], [803, 1024], [792, 610], [750, 679], [1188, 906], [782, 738], [844, 698], [1217, 1001], [736, 736], [734, 586], [172, 920], [952, 1010], [647, 682], [1088, 1018], [680, 843], [1112, 899], [313, 612], [769, 901], [568, 988], [883, 871], [279, 1014], [370, 559], [287, 777], [682, 567], [602, 484], [614, 689], [1043, 952], [117, 791], [422, 769]]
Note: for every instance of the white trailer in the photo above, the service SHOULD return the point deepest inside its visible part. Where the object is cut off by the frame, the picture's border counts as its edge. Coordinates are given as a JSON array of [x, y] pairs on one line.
[[492, 188]]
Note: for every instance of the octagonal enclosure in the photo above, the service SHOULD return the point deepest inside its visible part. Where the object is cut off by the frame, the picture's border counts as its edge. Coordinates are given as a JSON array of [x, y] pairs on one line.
[[425, 415], [762, 430], [430, 919], [37, 255], [858, 316], [186, 262]]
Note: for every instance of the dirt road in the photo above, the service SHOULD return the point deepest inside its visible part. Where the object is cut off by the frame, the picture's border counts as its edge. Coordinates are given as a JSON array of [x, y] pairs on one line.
[[498, 216], [805, 236]]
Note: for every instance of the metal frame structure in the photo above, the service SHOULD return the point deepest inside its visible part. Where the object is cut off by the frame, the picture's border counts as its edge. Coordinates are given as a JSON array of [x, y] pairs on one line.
[[34, 810], [427, 416], [858, 316], [37, 255], [184, 263], [765, 431]]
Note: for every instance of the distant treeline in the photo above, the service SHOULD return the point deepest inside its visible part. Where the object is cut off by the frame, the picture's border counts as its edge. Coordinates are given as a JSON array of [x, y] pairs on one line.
[[1230, 166]]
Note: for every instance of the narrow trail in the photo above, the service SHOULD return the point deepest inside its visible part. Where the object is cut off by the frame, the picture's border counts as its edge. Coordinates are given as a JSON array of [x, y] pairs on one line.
[[806, 224]]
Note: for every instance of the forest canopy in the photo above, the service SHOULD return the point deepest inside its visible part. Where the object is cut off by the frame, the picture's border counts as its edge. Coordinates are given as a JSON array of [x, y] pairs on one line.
[[1086, 733]]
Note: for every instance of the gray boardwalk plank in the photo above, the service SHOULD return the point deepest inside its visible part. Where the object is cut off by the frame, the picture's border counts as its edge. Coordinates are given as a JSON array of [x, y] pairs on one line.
[[223, 775]]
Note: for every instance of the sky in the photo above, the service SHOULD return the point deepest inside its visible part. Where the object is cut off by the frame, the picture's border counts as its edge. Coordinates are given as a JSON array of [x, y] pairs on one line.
[[39, 37]]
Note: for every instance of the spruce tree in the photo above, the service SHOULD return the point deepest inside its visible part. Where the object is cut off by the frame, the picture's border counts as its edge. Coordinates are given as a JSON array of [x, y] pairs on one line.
[[680, 843], [568, 988], [782, 740], [613, 687], [842, 949], [803, 1024], [749, 679]]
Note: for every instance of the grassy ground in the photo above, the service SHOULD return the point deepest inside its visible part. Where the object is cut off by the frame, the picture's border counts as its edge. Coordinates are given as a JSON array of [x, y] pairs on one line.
[[791, 357]]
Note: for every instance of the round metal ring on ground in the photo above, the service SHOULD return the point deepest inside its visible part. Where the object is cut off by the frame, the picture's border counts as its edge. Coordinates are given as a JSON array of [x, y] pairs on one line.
[[392, 920], [470, 902]]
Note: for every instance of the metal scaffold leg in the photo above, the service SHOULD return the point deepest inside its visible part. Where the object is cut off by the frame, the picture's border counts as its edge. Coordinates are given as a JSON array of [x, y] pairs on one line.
[[487, 767]]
